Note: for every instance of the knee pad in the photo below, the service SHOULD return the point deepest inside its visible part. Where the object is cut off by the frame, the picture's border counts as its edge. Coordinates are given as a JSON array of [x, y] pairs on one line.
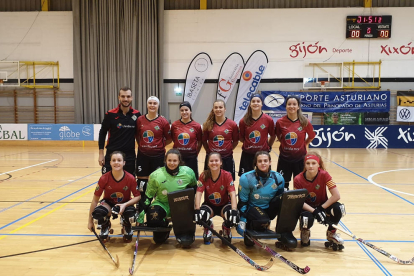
[[100, 214], [306, 220], [142, 184], [129, 215], [205, 212], [336, 212], [275, 205], [258, 219], [156, 216]]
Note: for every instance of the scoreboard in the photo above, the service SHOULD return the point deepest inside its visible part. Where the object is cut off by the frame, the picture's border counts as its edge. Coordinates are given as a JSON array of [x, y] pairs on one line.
[[372, 26]]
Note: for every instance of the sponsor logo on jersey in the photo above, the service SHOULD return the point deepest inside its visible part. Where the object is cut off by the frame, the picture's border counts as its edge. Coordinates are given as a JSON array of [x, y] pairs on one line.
[[215, 198], [262, 126], [247, 75], [199, 184], [222, 187], [109, 188], [254, 136], [117, 197], [226, 131], [119, 125], [157, 128], [218, 140], [125, 188], [191, 129], [97, 188], [134, 117], [183, 138], [317, 187], [148, 136], [291, 138], [312, 196]]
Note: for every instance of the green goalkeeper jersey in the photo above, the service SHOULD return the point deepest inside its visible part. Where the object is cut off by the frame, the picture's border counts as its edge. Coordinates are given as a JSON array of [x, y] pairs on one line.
[[161, 183]]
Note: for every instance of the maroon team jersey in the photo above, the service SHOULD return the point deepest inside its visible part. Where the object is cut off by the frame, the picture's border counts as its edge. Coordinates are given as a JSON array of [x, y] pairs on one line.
[[117, 191], [185, 137], [216, 193], [256, 135], [292, 138], [316, 188], [220, 138], [151, 135]]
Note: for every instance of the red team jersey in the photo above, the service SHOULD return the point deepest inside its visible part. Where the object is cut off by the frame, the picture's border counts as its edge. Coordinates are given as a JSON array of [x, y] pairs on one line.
[[216, 193], [117, 191], [151, 135], [292, 138], [316, 188], [185, 137], [220, 138], [256, 135]]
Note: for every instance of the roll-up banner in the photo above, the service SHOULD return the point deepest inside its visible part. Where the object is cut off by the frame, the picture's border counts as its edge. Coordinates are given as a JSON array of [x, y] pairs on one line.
[[229, 74], [197, 72], [249, 82]]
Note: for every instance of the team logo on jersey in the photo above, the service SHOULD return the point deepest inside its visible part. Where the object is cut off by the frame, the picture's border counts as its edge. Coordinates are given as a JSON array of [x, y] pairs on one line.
[[218, 140], [119, 125], [164, 192], [125, 188], [312, 196], [199, 184], [300, 128], [183, 138], [256, 196], [148, 136], [274, 186], [291, 138], [226, 131], [117, 197], [97, 188], [191, 129], [254, 136], [317, 187], [157, 128], [222, 187], [262, 126], [134, 117], [215, 198], [180, 181]]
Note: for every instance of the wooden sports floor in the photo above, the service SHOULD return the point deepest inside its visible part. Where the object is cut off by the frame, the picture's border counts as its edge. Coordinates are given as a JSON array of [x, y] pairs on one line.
[[47, 188]]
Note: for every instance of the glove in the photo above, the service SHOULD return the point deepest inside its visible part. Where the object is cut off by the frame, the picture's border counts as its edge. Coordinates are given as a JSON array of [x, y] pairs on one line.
[[115, 211], [197, 216], [319, 214], [232, 216], [241, 227], [141, 217]]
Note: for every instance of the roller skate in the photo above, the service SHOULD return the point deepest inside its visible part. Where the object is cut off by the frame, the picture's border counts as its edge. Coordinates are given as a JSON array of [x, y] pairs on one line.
[[208, 235], [226, 232], [127, 231], [305, 237], [105, 231], [334, 240], [287, 241]]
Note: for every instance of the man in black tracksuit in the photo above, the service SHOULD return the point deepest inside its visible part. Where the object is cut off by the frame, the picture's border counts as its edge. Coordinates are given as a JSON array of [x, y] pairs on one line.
[[119, 123]]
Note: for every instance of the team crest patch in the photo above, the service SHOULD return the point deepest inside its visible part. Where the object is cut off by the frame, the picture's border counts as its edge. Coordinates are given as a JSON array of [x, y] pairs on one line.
[[226, 131], [317, 187], [125, 188], [256, 196], [232, 183], [300, 128], [134, 117], [164, 192], [180, 181], [222, 187], [157, 128], [199, 184], [262, 126], [97, 188], [240, 187], [191, 129], [274, 186]]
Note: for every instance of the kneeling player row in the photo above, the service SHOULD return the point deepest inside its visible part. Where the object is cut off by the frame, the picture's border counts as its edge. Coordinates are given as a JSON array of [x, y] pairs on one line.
[[260, 193]]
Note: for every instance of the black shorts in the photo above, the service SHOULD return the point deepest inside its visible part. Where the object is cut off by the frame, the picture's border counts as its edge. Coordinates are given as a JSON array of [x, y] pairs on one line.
[[286, 169], [192, 163], [148, 164], [129, 163], [246, 162], [216, 209], [107, 201], [228, 165]]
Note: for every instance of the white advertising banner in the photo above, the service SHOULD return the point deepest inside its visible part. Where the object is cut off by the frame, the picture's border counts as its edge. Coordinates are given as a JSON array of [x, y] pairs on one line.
[[229, 74], [252, 75], [405, 114], [13, 132], [197, 72]]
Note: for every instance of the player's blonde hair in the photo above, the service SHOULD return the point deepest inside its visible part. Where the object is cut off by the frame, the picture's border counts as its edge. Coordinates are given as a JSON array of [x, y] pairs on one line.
[[209, 123]]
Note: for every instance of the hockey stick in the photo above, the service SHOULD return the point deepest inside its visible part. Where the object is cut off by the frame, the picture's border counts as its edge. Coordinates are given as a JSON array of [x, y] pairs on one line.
[[392, 257], [280, 257], [103, 245], [131, 270], [238, 251]]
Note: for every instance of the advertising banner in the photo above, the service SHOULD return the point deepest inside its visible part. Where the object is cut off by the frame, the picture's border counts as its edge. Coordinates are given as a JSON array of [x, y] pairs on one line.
[[59, 132], [249, 82], [276, 115], [229, 74], [369, 137], [405, 113], [197, 72], [13, 132], [355, 101], [376, 118], [347, 118], [405, 98]]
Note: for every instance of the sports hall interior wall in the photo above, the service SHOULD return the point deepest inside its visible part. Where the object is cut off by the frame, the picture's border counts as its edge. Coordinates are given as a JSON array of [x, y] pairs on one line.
[[41, 36]]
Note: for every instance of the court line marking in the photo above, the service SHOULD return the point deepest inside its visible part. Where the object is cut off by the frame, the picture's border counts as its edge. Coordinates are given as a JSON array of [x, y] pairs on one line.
[[57, 201], [376, 184], [29, 166], [27, 200]]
